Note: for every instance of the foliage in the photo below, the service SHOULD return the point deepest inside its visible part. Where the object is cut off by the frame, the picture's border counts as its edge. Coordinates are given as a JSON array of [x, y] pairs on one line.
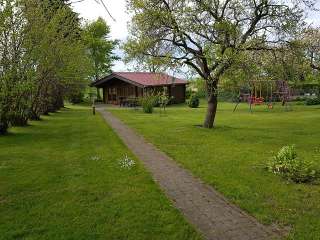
[[194, 101], [311, 43], [189, 92], [42, 56], [148, 102], [76, 97], [301, 99], [96, 36], [144, 62], [15, 68], [227, 95], [163, 99], [313, 101], [197, 86], [287, 163]]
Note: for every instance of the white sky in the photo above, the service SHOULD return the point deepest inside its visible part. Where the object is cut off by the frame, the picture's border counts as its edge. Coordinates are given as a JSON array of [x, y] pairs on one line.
[[91, 10]]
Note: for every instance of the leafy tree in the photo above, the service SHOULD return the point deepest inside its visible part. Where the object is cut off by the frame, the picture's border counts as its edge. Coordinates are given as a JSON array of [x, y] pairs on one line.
[[311, 42], [42, 58], [97, 39], [144, 62], [57, 50], [15, 71], [207, 35]]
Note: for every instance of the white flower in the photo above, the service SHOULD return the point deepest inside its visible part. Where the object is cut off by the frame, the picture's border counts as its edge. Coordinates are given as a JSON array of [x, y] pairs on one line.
[[95, 158], [126, 162]]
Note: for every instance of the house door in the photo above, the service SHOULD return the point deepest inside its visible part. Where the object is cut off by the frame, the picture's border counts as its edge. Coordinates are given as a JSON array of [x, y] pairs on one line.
[[112, 95]]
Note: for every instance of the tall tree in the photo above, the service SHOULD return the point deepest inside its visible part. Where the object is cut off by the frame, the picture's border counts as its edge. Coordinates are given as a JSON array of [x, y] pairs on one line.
[[15, 70], [42, 58], [97, 39], [311, 41], [57, 50], [207, 35]]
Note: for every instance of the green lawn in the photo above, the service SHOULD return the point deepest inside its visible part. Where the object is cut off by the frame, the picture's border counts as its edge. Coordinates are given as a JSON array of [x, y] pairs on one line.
[[60, 178], [231, 157]]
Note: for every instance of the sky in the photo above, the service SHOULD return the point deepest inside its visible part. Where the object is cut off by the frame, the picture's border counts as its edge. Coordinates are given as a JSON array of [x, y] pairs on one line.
[[91, 10]]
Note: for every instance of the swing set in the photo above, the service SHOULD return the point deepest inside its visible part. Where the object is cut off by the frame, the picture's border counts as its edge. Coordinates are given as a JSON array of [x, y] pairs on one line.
[[261, 92]]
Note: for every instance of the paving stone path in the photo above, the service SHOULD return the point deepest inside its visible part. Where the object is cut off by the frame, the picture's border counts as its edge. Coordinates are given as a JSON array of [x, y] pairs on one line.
[[202, 206]]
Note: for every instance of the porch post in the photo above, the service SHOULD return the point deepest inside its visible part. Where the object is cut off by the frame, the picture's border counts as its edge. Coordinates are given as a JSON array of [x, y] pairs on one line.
[[98, 93], [136, 91]]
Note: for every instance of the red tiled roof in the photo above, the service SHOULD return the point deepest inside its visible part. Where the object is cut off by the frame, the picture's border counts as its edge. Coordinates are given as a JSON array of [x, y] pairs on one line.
[[151, 79], [143, 78]]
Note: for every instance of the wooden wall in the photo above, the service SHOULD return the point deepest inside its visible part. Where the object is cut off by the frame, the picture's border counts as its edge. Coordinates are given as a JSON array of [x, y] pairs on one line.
[[179, 93], [116, 89]]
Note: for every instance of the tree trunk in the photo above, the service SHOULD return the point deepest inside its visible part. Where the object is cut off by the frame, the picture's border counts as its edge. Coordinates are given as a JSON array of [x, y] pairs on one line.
[[3, 127], [34, 115], [211, 111], [98, 94], [19, 120]]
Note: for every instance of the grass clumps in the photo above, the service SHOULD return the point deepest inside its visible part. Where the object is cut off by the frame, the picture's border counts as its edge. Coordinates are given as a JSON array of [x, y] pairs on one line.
[[287, 164], [148, 102]]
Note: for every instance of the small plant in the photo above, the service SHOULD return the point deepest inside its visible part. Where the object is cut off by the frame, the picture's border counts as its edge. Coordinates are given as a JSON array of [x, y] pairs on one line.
[[148, 102], [76, 97], [194, 101], [287, 164], [163, 99], [313, 101], [127, 163]]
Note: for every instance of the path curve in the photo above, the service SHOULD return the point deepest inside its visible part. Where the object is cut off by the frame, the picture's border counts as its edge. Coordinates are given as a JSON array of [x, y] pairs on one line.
[[212, 214]]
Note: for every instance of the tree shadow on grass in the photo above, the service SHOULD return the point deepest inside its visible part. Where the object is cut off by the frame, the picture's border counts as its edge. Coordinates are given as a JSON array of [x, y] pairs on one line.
[[216, 128]]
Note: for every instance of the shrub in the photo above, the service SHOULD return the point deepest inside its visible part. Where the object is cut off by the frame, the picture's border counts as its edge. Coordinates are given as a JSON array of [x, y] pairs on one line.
[[3, 126], [287, 164], [76, 97], [148, 102], [313, 101], [163, 100], [19, 119], [189, 92], [300, 99], [194, 101]]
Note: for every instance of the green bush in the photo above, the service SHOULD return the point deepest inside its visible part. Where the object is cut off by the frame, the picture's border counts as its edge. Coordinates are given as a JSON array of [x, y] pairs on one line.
[[189, 92], [148, 102], [225, 95], [194, 101], [3, 127], [313, 101], [287, 164], [300, 99], [76, 97]]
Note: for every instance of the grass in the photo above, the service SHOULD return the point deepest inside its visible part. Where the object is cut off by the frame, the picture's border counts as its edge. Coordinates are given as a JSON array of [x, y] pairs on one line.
[[60, 178], [232, 156]]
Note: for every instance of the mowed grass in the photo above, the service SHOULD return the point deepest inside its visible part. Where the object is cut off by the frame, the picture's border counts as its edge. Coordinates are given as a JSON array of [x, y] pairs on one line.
[[232, 156], [60, 178]]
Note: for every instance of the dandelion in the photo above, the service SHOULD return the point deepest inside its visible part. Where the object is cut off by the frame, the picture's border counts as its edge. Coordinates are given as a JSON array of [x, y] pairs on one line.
[[126, 162]]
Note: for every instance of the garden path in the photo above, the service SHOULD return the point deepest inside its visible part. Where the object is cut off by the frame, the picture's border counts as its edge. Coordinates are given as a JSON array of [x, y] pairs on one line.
[[212, 214]]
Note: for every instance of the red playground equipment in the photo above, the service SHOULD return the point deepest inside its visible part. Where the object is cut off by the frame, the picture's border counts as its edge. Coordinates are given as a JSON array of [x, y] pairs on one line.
[[262, 92], [256, 94]]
